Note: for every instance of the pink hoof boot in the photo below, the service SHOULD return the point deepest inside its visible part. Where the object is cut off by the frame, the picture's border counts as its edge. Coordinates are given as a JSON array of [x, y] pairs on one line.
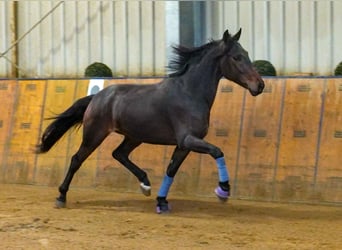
[[221, 194]]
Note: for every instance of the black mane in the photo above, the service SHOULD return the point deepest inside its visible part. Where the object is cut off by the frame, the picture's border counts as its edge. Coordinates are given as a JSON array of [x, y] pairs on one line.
[[184, 56]]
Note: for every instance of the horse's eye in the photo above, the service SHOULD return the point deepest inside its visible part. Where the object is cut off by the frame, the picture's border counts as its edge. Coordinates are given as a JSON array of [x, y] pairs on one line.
[[237, 58]]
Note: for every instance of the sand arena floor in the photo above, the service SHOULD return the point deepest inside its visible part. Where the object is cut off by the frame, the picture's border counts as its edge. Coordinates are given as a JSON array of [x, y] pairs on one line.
[[98, 219]]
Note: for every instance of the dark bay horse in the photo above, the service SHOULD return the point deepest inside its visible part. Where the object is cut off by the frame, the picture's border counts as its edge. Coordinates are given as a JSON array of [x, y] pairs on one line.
[[175, 111]]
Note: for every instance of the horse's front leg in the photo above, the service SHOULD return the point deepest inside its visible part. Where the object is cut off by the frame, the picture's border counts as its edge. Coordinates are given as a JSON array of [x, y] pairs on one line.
[[177, 158], [200, 146]]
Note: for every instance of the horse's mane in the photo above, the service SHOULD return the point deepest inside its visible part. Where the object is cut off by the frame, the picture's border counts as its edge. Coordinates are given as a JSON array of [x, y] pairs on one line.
[[184, 56]]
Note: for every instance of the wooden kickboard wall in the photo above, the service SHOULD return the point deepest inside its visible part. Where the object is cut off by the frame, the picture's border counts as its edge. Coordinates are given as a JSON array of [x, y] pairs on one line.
[[285, 144]]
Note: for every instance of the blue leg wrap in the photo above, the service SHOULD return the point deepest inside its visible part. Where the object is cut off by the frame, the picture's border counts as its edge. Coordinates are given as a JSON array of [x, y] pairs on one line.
[[165, 186], [222, 169]]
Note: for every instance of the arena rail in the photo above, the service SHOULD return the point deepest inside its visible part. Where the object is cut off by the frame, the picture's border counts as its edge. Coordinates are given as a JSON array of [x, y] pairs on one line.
[[282, 145]]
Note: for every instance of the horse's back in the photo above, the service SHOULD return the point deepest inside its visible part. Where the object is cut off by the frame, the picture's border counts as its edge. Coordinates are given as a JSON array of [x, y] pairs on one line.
[[135, 110]]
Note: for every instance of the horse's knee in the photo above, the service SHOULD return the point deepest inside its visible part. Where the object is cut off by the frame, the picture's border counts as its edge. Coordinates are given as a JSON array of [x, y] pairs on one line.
[[198, 145], [117, 155], [171, 172], [172, 169], [217, 153]]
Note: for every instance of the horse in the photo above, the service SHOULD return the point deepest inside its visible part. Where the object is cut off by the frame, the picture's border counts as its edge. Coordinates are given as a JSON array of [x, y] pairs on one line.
[[175, 111]]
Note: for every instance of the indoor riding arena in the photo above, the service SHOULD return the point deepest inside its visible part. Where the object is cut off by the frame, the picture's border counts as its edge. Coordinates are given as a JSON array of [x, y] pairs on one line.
[[282, 148]]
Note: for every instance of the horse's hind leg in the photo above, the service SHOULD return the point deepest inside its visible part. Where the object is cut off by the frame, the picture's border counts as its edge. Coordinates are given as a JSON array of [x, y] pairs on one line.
[[90, 142], [121, 154]]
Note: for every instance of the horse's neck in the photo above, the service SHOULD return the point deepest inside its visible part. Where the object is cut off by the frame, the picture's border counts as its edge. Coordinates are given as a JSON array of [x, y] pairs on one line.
[[202, 80]]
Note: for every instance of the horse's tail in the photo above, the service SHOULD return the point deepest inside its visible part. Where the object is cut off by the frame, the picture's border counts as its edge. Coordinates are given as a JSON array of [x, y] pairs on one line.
[[62, 123]]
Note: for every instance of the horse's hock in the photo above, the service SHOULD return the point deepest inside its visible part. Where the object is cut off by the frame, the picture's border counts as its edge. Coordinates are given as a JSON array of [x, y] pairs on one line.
[[281, 145]]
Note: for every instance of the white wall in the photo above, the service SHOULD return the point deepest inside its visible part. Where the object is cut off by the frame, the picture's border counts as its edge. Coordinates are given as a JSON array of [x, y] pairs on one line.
[[128, 36], [5, 38], [134, 37], [296, 36]]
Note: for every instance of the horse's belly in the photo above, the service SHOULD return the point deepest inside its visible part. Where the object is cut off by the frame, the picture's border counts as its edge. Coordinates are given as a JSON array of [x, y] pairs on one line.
[[148, 133]]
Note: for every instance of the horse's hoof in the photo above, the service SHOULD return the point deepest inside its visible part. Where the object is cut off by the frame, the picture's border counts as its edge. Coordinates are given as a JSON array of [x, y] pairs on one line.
[[221, 194], [163, 208], [146, 190], [60, 204]]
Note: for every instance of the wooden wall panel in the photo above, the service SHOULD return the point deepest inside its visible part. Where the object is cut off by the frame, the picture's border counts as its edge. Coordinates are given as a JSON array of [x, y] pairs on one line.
[[284, 144], [259, 141], [329, 170], [299, 137], [8, 92], [51, 165], [21, 160], [132, 81]]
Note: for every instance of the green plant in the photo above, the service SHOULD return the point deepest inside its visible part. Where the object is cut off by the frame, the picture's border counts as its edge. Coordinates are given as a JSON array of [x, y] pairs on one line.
[[98, 69], [264, 68], [338, 70]]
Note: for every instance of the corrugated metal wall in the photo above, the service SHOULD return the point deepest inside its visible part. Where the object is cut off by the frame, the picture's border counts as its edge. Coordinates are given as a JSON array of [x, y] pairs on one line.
[[296, 36], [128, 36], [5, 38], [133, 37]]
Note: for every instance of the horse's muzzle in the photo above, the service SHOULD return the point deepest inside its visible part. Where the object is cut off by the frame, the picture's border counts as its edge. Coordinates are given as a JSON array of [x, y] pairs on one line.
[[258, 90]]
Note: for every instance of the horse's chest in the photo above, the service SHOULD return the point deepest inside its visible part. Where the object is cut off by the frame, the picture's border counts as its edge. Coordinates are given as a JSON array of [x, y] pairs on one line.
[[199, 128], [196, 124]]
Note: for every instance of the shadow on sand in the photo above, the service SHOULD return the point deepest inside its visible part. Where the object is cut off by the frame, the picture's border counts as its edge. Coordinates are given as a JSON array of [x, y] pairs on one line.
[[215, 209]]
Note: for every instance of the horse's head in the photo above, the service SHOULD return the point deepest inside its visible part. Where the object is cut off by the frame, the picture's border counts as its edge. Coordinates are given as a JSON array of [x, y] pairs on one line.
[[236, 65]]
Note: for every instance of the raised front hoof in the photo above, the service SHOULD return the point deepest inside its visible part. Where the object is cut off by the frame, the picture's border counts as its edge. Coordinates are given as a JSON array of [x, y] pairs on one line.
[[221, 194], [146, 190], [60, 203], [163, 206]]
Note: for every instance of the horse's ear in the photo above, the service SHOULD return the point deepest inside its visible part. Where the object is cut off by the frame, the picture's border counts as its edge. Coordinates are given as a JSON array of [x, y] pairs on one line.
[[226, 36], [236, 37]]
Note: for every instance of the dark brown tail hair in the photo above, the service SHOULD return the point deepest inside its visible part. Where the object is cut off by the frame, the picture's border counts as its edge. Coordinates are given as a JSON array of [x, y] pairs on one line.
[[62, 123]]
